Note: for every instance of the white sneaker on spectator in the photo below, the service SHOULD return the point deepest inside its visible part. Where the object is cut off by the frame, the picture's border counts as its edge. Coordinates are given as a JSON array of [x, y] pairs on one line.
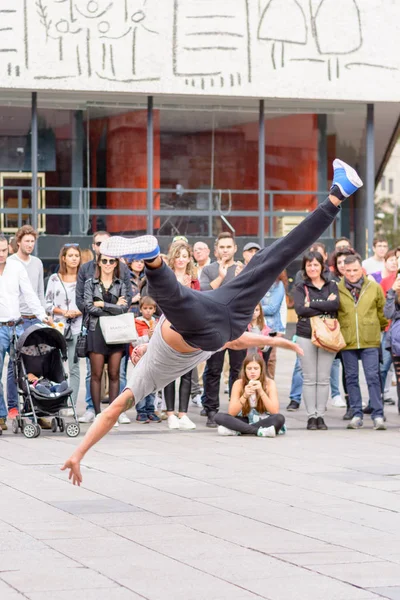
[[266, 432], [379, 423], [116, 424], [196, 401], [87, 417], [338, 402], [123, 419], [225, 431], [173, 422], [186, 423]]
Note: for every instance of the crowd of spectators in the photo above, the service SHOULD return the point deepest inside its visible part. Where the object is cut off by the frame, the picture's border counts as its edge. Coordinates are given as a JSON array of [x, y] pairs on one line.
[[363, 295]]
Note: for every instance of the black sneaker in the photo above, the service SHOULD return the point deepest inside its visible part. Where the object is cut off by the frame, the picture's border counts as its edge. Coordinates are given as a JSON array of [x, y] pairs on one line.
[[203, 412], [312, 423], [321, 424], [210, 419], [367, 410], [292, 406], [348, 415]]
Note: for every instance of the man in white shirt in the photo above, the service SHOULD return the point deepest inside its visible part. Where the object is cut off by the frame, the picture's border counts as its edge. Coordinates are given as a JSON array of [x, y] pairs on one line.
[[14, 280], [25, 240], [376, 262]]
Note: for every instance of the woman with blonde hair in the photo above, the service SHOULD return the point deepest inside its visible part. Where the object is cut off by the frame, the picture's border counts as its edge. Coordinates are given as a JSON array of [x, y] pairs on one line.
[[180, 260]]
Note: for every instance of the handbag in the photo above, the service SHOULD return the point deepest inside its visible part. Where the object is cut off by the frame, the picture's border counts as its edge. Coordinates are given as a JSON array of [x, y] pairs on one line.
[[68, 323], [325, 332], [119, 329], [81, 344]]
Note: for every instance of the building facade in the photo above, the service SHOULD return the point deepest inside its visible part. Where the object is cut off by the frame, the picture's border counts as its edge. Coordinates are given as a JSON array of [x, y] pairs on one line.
[[188, 117]]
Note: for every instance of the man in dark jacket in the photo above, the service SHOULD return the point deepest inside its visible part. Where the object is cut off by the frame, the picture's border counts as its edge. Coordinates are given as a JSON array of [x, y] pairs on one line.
[[212, 277], [85, 272]]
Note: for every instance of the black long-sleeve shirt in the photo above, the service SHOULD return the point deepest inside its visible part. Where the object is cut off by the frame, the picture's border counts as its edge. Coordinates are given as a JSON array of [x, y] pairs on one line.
[[319, 304]]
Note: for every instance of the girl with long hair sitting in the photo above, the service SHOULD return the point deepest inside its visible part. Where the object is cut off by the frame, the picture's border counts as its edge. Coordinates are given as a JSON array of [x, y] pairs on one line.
[[253, 407]]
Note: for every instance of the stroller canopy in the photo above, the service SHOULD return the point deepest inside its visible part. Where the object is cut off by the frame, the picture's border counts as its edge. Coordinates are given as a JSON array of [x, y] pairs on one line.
[[43, 335]]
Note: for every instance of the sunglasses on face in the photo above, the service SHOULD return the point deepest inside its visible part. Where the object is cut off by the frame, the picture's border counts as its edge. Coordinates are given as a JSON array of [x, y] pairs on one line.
[[108, 261], [98, 244], [72, 245]]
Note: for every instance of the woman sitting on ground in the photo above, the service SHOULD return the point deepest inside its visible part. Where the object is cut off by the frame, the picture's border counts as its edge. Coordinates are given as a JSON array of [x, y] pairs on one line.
[[253, 407]]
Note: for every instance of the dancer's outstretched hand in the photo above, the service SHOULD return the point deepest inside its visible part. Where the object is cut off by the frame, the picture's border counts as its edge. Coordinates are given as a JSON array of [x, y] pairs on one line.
[[73, 464]]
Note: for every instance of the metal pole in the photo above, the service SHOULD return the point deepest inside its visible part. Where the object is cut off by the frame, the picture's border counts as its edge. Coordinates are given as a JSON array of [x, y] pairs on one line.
[[150, 165], [261, 174], [370, 178], [322, 122], [34, 162]]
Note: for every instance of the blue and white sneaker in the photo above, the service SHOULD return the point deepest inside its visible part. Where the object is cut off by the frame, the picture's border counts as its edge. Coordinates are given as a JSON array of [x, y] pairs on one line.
[[266, 432], [145, 247], [345, 178]]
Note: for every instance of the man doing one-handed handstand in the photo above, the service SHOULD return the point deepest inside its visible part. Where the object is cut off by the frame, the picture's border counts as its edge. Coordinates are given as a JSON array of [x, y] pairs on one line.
[[196, 324]]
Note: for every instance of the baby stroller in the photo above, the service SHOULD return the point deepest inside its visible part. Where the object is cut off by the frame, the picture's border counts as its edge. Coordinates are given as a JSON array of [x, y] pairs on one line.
[[41, 350]]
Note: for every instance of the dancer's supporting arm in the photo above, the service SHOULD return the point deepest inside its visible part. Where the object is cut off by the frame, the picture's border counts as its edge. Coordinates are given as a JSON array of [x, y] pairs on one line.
[[102, 425], [249, 340]]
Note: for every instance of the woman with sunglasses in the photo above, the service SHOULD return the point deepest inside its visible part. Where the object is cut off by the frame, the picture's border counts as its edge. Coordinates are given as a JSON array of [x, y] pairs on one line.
[[61, 303], [105, 295]]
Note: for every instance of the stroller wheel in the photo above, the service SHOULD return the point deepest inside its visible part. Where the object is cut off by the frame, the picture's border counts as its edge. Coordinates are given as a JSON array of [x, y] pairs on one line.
[[73, 430], [38, 430], [29, 430], [53, 425], [61, 424], [14, 426]]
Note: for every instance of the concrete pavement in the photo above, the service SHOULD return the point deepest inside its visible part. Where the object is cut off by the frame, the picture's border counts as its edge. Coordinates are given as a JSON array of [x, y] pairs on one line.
[[191, 515]]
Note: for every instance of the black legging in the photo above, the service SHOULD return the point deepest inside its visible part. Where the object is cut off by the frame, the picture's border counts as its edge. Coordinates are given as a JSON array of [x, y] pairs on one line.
[[97, 367], [242, 424], [210, 319], [184, 393]]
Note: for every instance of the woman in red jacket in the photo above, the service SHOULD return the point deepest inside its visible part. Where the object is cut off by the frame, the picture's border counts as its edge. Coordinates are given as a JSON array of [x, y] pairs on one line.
[[180, 260]]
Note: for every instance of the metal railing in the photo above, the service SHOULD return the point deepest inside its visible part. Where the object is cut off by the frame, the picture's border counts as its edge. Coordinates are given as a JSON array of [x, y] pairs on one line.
[[170, 207]]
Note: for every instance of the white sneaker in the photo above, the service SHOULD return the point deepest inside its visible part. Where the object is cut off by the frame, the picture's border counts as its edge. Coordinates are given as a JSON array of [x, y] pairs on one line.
[[116, 424], [355, 423], [196, 401], [144, 247], [266, 432], [225, 431], [173, 422], [186, 423], [67, 412], [87, 417], [338, 402], [379, 423], [123, 419]]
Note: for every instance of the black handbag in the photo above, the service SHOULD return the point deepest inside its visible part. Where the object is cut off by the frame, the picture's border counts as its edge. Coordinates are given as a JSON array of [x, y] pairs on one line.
[[81, 343]]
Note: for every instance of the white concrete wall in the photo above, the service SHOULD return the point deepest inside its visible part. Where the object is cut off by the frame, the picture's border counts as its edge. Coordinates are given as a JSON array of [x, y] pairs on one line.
[[328, 49]]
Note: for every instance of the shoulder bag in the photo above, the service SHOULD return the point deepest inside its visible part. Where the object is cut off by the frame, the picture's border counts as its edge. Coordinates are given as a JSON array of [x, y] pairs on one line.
[[67, 327], [119, 329], [325, 331]]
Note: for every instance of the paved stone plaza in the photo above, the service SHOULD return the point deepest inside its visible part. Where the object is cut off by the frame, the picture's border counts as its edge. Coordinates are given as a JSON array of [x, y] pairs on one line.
[[191, 515]]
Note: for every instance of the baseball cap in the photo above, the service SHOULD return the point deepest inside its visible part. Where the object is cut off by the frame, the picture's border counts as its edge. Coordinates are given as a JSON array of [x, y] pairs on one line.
[[251, 245]]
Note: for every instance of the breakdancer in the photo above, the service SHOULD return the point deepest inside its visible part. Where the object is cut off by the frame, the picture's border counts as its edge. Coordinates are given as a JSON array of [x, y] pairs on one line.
[[197, 324]]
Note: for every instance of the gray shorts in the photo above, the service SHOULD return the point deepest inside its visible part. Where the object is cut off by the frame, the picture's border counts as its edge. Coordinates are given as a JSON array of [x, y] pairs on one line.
[[160, 365]]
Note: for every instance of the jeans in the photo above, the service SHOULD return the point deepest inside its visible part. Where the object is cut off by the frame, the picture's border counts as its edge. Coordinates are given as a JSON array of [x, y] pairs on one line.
[[386, 361], [73, 368], [316, 365], [370, 361], [146, 406], [6, 334], [122, 371], [334, 381], [209, 319], [212, 376], [296, 389], [88, 399], [12, 394]]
